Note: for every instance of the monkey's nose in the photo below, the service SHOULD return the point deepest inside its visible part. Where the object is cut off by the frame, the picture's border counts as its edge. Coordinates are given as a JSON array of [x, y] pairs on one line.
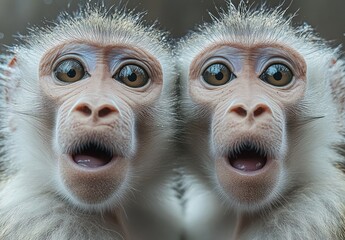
[[257, 111], [101, 112]]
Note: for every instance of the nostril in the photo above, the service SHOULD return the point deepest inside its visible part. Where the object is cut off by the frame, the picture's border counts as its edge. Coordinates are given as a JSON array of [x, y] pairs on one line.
[[105, 111], [258, 111], [84, 109], [261, 109], [239, 111]]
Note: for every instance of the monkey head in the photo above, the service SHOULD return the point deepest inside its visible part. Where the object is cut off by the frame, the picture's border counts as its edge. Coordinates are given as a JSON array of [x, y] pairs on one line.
[[246, 90], [97, 88]]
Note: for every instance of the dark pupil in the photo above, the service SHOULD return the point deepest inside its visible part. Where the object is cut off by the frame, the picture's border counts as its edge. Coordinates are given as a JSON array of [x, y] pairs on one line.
[[132, 77], [278, 76], [219, 76], [71, 73]]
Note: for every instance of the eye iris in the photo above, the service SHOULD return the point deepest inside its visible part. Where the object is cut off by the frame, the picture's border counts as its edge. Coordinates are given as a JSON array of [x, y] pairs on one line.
[[132, 76], [70, 70], [277, 75], [217, 74]]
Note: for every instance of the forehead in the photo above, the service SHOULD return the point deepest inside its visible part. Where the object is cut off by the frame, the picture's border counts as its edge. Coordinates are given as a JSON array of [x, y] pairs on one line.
[[90, 46]]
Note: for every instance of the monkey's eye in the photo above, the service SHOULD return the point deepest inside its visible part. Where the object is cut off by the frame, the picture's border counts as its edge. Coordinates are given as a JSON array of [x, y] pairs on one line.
[[217, 74], [133, 76], [277, 75], [69, 71]]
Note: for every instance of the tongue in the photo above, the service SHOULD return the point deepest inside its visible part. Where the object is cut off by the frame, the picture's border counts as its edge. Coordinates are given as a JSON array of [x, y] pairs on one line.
[[89, 161], [248, 162]]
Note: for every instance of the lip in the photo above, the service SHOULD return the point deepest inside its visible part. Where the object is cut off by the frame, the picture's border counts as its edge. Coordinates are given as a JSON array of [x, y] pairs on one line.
[[92, 155], [80, 168], [255, 173], [248, 159]]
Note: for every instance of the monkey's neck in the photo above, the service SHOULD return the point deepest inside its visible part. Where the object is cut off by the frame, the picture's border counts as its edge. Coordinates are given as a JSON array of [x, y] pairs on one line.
[[243, 220], [118, 218]]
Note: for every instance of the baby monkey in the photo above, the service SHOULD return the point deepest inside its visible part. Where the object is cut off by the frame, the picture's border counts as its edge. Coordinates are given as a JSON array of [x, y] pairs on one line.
[[261, 129], [84, 105]]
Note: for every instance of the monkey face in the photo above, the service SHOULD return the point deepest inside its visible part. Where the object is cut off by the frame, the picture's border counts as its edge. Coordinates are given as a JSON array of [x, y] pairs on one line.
[[102, 94], [247, 91]]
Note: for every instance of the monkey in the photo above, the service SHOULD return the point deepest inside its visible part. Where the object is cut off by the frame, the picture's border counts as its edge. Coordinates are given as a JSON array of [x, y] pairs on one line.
[[261, 122], [87, 122]]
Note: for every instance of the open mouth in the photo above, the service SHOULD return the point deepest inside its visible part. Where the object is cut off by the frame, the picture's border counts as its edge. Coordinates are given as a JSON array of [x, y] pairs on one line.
[[248, 158], [92, 155]]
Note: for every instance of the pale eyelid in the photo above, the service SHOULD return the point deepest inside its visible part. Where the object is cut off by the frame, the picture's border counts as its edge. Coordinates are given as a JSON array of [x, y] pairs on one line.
[[266, 63], [70, 56], [87, 52], [215, 60], [116, 68]]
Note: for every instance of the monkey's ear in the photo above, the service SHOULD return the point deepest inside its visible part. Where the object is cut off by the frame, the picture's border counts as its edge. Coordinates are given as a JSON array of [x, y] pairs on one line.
[[11, 79], [13, 62]]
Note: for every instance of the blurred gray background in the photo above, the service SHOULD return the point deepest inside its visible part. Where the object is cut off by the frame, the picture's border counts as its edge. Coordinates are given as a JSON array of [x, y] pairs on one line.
[[176, 16]]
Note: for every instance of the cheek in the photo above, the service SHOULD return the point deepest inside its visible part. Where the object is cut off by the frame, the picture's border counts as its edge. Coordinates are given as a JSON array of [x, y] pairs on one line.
[[200, 95], [292, 96]]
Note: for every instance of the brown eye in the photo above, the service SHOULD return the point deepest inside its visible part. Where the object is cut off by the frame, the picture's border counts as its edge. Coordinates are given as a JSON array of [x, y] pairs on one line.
[[70, 70], [277, 75], [133, 76], [217, 74]]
